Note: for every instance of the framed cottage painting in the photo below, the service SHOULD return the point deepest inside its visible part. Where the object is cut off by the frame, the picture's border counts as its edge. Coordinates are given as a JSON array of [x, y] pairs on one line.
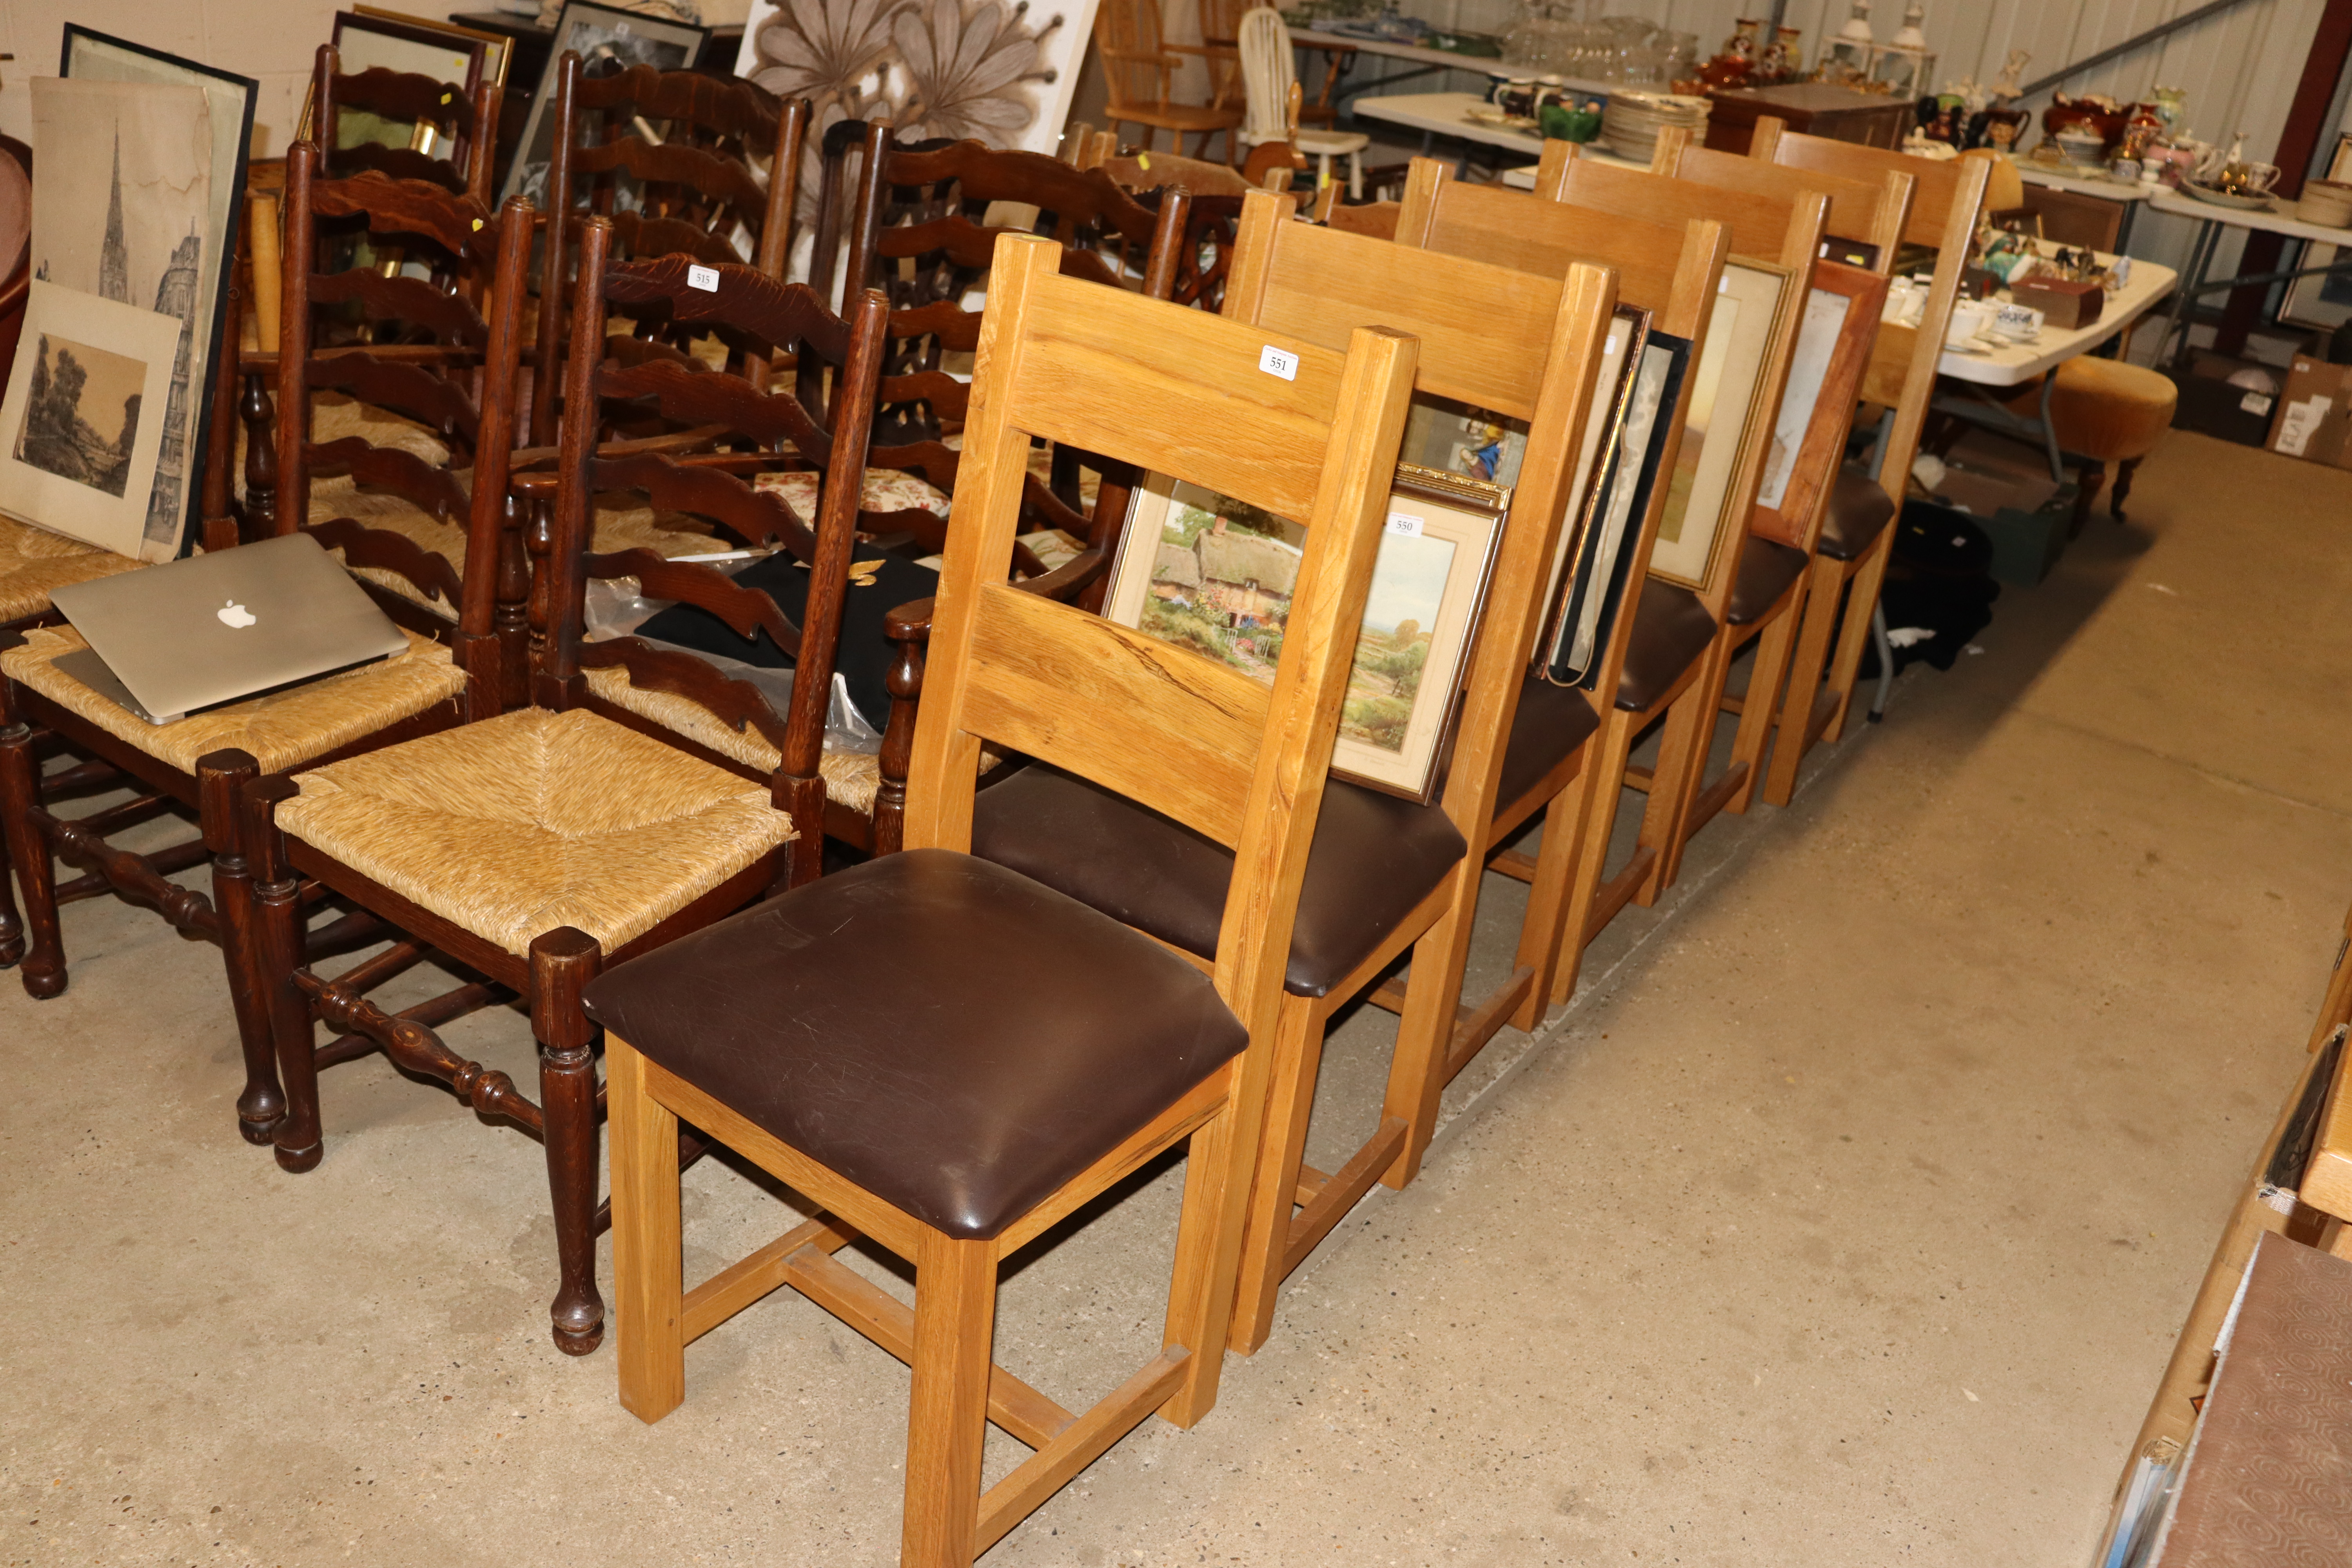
[[1215, 575]]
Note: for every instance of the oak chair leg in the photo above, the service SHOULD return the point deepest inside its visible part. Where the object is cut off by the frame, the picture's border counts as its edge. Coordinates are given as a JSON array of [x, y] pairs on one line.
[[1615, 740], [42, 966], [1776, 646], [955, 1328], [1425, 1035], [562, 962], [648, 1257], [1682, 747], [1209, 1241], [1282, 1151], [277, 955], [221, 779], [1548, 894], [1854, 636], [1822, 585]]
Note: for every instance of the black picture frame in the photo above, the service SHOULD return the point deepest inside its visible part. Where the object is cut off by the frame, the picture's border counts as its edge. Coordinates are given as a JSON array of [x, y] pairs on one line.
[[86, 43], [532, 151]]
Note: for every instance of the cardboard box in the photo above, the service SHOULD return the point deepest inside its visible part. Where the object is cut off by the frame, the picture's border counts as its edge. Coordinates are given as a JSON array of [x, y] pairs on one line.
[[2313, 417]]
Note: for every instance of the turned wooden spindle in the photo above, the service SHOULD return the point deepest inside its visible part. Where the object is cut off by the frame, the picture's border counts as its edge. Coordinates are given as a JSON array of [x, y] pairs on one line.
[[221, 779], [562, 962]]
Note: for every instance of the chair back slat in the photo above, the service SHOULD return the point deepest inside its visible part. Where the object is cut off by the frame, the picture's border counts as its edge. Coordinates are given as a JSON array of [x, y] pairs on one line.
[[1525, 347], [469, 124], [1871, 210]]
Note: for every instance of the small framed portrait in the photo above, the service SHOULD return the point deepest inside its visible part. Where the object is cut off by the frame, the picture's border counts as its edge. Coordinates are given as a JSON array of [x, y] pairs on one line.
[[1834, 337], [1725, 424], [1214, 575]]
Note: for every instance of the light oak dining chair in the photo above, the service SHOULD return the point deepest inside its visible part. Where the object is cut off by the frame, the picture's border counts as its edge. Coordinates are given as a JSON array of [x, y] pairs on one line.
[[952, 1058], [1767, 598], [1672, 627], [1856, 537], [1386, 874], [1749, 585]]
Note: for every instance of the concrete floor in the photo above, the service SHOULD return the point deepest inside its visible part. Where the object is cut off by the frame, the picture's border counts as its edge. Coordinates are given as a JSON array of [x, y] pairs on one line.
[[1846, 1218]]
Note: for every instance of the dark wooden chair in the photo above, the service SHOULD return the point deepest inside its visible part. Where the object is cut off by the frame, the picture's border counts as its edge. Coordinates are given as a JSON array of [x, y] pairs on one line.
[[199, 761], [470, 125], [950, 1058], [1385, 875], [619, 810]]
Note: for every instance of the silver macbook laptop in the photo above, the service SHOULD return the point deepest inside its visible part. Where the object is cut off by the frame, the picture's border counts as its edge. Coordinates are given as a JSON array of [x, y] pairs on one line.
[[169, 640]]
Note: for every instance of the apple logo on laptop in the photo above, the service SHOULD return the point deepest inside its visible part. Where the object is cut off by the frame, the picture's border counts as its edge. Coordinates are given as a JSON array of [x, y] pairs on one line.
[[234, 615]]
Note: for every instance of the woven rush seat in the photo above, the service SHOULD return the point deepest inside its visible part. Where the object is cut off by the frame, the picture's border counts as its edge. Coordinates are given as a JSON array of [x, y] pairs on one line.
[[1767, 567], [886, 489], [281, 730], [519, 825], [1858, 511], [1671, 629], [32, 563], [951, 1036], [1375, 856], [851, 778]]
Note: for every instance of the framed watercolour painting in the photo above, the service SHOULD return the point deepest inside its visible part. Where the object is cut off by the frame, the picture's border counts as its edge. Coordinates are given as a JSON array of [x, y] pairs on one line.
[[200, 297], [1214, 575], [83, 422], [1834, 338], [1593, 593], [1727, 413], [607, 40]]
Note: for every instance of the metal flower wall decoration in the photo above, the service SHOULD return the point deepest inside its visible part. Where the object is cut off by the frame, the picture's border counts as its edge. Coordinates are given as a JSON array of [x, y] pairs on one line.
[[931, 68]]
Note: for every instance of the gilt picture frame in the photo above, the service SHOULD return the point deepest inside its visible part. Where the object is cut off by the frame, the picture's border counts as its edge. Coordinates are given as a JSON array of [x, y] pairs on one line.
[[1834, 339], [1213, 576], [366, 40], [1728, 419]]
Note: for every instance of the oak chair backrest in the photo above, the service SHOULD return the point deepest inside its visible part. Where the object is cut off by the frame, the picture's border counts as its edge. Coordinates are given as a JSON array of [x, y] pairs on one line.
[[1871, 211], [422, 351], [1135, 61], [1672, 271], [1947, 199], [1179, 391], [469, 124], [760, 319], [1525, 346], [1763, 226]]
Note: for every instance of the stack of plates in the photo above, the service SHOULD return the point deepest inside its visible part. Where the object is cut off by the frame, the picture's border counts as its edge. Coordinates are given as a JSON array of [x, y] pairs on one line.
[[1631, 121]]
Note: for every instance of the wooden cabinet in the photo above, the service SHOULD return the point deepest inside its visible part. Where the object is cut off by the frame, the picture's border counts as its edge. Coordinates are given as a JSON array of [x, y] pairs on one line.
[[1839, 114]]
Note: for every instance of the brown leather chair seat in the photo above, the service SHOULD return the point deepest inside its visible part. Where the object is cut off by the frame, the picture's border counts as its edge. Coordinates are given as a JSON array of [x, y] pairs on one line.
[[1551, 722], [1374, 857], [1767, 567], [1671, 629], [1858, 511], [946, 1034]]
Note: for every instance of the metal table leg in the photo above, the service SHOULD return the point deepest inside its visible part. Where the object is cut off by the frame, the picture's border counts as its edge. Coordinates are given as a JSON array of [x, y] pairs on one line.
[[2201, 256], [1885, 661]]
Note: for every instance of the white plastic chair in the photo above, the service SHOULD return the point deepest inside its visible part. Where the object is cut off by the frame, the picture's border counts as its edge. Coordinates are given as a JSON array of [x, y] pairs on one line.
[[1266, 78]]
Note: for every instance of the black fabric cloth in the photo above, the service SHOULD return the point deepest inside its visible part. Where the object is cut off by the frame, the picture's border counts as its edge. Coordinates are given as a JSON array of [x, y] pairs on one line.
[[862, 659], [1938, 578]]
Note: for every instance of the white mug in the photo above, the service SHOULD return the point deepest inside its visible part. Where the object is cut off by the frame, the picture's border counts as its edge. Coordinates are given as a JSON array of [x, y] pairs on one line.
[[1970, 320]]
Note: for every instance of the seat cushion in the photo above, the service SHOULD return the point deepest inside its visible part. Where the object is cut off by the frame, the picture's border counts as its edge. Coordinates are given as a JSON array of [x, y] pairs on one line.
[[534, 820], [2111, 409], [1767, 567], [282, 729], [950, 1036], [32, 562], [1858, 511], [1374, 857], [1551, 722], [1671, 629]]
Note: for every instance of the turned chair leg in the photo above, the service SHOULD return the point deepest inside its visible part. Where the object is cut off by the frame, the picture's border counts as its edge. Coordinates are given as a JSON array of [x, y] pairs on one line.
[[2124, 471], [648, 1257], [2092, 477], [221, 779], [275, 955], [12, 926], [955, 1331], [562, 962], [42, 964]]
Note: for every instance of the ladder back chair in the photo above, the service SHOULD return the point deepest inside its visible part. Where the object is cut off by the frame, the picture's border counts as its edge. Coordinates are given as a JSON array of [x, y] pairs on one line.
[[201, 761], [627, 804], [1016, 1053], [1385, 875], [1750, 585], [1137, 68], [1856, 537], [1672, 627], [1767, 597], [469, 126]]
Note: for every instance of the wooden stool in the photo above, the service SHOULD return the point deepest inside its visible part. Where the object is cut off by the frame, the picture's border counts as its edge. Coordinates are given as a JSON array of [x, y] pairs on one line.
[[2105, 411]]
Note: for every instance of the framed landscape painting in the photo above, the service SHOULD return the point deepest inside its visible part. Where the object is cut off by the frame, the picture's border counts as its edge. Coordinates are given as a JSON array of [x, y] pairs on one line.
[[1724, 425], [1215, 575]]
